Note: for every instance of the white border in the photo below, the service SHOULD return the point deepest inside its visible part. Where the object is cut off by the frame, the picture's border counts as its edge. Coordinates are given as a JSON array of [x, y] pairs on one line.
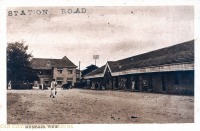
[[3, 95], [24, 3]]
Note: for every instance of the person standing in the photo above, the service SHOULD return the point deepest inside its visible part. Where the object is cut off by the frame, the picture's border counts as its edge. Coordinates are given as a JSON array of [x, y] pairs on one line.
[[53, 89], [9, 85]]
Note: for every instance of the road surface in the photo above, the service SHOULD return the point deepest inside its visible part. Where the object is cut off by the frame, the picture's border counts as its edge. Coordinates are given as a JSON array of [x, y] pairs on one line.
[[77, 106]]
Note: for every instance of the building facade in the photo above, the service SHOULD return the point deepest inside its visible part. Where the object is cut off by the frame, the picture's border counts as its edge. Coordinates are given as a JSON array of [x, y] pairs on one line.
[[167, 70], [62, 70]]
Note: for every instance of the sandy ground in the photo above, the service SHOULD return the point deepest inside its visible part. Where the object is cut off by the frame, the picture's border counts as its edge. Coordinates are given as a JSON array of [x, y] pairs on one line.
[[89, 106]]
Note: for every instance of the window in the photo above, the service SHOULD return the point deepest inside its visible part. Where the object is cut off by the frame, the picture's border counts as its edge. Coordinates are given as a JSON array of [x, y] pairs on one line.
[[69, 71], [60, 70], [69, 78], [46, 72], [59, 82], [59, 78], [46, 82], [48, 63]]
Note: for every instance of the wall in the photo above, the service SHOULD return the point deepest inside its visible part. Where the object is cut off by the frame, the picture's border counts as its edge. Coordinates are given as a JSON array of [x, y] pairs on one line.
[[177, 82], [157, 82], [45, 77], [180, 82], [115, 83], [65, 75]]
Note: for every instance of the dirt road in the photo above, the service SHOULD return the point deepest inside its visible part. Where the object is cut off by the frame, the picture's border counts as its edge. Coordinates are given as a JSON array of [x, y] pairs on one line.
[[88, 106]]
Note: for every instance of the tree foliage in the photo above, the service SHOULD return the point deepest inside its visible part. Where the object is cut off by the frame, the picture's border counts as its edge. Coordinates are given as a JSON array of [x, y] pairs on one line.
[[89, 69], [19, 63]]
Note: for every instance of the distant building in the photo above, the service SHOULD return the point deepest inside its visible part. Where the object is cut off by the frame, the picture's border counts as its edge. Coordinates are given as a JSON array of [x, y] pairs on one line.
[[89, 69], [168, 70], [62, 70]]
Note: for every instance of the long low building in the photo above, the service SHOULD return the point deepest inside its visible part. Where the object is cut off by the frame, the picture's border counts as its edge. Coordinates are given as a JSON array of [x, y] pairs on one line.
[[168, 70]]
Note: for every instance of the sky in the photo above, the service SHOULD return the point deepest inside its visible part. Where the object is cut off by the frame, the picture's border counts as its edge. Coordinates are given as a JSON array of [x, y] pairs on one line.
[[113, 33]]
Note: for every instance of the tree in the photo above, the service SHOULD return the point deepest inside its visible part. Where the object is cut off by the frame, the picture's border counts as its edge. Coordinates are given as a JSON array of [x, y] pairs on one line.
[[89, 69], [18, 63]]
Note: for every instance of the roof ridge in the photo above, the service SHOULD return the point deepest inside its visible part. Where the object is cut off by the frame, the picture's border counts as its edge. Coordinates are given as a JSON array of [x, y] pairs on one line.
[[42, 62], [47, 58], [155, 50]]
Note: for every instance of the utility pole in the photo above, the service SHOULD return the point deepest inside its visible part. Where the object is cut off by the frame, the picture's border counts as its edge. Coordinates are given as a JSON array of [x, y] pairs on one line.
[[79, 71]]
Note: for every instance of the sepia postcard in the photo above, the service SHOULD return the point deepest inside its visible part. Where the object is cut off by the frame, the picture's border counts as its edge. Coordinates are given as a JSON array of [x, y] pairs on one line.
[[114, 65]]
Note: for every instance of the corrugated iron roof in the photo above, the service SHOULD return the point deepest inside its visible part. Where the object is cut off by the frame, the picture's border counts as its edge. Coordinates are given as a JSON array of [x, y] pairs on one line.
[[180, 53]]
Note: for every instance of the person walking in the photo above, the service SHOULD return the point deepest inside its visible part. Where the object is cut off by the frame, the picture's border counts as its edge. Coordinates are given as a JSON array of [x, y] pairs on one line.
[[53, 89], [9, 85]]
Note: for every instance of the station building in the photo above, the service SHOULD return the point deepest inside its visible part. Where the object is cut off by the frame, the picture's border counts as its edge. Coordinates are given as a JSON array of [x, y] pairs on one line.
[[166, 70]]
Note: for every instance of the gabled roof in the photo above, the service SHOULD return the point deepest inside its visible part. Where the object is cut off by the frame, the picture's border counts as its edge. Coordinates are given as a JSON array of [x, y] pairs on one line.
[[180, 53], [177, 54], [97, 72], [42, 63]]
